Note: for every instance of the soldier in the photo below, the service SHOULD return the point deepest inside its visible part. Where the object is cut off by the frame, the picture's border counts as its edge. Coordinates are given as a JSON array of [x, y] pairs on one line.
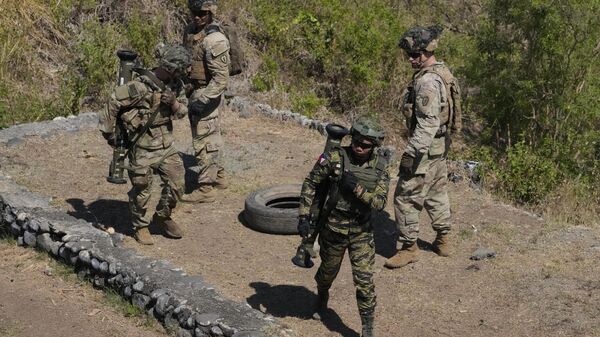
[[147, 105], [205, 38], [429, 107], [358, 184]]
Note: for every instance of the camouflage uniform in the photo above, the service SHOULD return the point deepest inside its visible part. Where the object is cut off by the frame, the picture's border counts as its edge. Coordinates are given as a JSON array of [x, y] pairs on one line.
[[154, 152], [209, 76], [427, 111], [348, 225]]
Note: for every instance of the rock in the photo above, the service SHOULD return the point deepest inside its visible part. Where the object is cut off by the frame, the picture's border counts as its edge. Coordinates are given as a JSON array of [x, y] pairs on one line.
[[140, 300], [162, 303], [200, 333], [104, 267], [48, 271], [84, 257], [15, 229], [227, 330], [158, 293], [473, 267], [248, 334], [216, 331], [483, 253], [184, 333], [127, 292], [29, 238], [95, 264], [138, 286], [33, 225], [206, 319], [45, 242]]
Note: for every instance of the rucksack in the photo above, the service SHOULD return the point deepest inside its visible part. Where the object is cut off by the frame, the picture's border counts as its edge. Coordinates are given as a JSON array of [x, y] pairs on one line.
[[237, 59], [454, 118]]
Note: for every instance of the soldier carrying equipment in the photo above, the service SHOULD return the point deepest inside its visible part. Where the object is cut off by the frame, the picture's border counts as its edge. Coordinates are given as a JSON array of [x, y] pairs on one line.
[[321, 207]]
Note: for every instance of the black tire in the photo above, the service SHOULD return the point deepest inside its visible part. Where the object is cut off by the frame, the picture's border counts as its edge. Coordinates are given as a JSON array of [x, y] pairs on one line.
[[274, 210]]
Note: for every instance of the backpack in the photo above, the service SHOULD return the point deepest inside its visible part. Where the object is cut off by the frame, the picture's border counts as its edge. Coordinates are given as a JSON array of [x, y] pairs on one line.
[[454, 111], [236, 54]]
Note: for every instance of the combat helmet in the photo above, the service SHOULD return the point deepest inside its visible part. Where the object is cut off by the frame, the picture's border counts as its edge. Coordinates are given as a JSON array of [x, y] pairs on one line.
[[202, 5], [173, 57], [368, 128], [419, 39]]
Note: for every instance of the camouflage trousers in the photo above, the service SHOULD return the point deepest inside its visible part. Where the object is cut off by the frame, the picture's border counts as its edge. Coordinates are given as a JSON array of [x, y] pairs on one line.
[[361, 249], [428, 190], [167, 164], [207, 143]]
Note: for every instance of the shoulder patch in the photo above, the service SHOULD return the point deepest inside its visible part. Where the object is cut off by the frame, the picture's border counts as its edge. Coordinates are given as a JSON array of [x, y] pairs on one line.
[[133, 91], [219, 48]]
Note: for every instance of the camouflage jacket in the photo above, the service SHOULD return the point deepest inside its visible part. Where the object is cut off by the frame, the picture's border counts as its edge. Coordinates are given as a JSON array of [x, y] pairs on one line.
[[134, 102], [352, 212], [210, 60], [426, 101]]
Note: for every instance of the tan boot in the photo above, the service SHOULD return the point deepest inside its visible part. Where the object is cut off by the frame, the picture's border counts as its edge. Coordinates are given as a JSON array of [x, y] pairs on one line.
[[221, 181], [142, 236], [440, 245], [171, 228], [202, 195], [408, 254]]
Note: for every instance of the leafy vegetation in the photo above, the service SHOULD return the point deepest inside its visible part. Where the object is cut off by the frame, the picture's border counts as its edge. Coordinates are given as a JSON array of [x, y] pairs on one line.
[[529, 70]]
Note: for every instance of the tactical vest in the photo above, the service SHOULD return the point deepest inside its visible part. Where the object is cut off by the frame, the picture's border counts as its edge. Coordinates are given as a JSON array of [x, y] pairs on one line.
[[451, 113]]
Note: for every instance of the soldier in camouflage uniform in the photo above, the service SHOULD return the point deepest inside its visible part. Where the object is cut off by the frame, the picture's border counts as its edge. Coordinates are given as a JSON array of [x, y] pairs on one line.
[[205, 38], [423, 172], [134, 103], [358, 184]]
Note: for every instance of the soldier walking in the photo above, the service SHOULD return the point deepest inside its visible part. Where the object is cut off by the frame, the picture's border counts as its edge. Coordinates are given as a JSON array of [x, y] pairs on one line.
[[205, 38], [146, 106], [358, 183], [431, 109]]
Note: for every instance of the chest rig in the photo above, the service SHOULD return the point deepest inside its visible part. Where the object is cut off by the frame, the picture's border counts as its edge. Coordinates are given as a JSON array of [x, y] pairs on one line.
[[194, 43]]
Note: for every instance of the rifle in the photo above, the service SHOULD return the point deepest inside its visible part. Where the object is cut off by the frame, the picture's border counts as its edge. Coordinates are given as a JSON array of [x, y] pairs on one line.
[[322, 205], [116, 170]]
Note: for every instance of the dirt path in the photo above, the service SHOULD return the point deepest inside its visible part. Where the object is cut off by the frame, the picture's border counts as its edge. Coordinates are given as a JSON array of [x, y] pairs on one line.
[[544, 281], [40, 298]]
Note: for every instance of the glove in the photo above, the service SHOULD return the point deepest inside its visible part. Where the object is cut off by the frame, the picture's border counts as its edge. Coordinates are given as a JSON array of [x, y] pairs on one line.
[[349, 181], [304, 227], [407, 163], [168, 97], [110, 138], [197, 107]]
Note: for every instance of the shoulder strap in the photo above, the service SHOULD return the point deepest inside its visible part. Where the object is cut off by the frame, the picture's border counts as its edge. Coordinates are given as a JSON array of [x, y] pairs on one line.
[[145, 72]]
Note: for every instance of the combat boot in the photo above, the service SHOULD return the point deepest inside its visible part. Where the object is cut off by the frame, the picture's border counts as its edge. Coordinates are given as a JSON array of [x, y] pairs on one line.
[[321, 306], [171, 228], [142, 236], [440, 245], [367, 325], [408, 254], [201, 195], [221, 181]]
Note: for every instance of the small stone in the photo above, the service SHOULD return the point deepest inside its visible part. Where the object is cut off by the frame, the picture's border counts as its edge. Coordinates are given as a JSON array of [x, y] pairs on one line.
[[112, 269], [48, 271], [140, 300], [138, 286], [206, 319], [199, 333], [184, 333], [216, 331], [15, 229], [473, 267], [33, 225], [20, 241], [21, 217], [127, 292], [104, 267], [483, 253], [95, 264], [30, 238], [84, 257], [227, 330], [162, 304], [99, 281], [63, 252]]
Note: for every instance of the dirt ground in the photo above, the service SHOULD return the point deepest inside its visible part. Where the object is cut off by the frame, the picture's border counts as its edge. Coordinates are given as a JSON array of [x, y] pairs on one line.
[[40, 298], [543, 282]]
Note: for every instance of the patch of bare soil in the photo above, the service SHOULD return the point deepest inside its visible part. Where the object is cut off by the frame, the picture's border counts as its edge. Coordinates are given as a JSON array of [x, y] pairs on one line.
[[40, 298], [543, 282]]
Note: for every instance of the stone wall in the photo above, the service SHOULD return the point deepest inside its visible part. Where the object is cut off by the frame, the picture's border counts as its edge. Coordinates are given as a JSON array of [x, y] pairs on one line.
[[183, 303]]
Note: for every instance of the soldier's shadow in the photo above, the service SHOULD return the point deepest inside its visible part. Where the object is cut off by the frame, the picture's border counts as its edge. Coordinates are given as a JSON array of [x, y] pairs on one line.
[[104, 213], [294, 301], [385, 233]]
